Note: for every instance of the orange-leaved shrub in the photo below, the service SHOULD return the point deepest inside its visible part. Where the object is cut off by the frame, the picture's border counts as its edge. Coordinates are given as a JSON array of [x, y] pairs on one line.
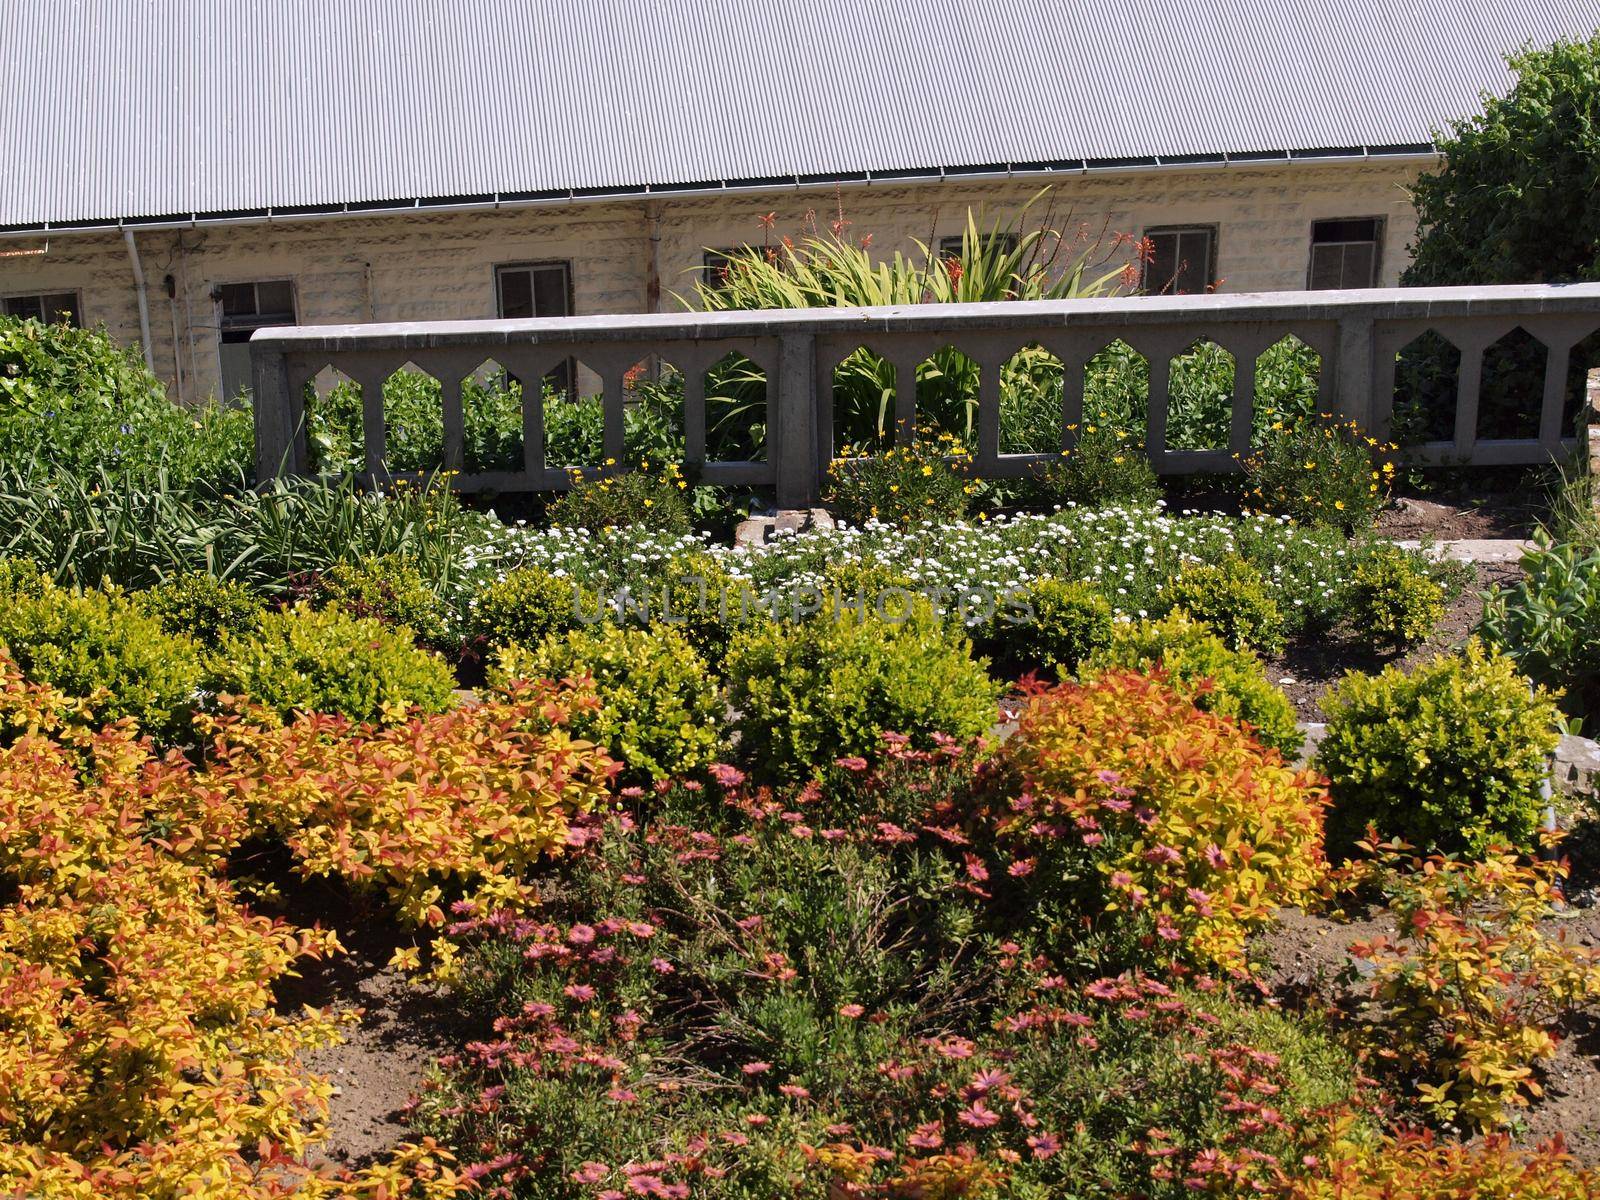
[[1419, 1165], [141, 1053], [1470, 990], [459, 802], [1124, 800]]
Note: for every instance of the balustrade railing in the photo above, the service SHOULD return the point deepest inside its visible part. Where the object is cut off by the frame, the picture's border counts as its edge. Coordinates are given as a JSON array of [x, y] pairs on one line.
[[1359, 336]]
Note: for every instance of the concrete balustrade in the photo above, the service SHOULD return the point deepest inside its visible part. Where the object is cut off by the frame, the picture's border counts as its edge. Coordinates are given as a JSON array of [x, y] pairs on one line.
[[1358, 335]]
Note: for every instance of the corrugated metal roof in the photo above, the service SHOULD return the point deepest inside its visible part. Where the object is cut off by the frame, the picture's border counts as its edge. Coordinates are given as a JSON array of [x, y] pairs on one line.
[[126, 109]]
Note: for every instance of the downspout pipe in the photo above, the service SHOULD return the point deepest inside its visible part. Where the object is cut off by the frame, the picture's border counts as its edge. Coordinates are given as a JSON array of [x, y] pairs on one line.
[[144, 301]]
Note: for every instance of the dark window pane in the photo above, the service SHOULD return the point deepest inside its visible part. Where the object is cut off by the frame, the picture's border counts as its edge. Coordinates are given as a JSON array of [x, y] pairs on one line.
[[1360, 259], [715, 263], [238, 299], [516, 294], [1180, 263], [275, 299], [950, 247], [23, 307], [1327, 267], [550, 292], [1362, 230], [61, 306]]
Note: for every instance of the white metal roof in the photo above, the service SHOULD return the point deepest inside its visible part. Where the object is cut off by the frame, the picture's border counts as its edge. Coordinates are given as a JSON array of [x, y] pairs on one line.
[[148, 109]]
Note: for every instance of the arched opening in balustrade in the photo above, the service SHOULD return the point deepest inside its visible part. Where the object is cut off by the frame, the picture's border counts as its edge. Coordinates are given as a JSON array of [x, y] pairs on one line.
[[947, 395], [335, 441], [492, 420], [1288, 379], [1427, 378], [652, 414], [574, 417], [1116, 391], [1200, 397], [413, 421], [863, 391], [1511, 386], [736, 410], [1032, 382], [1583, 358]]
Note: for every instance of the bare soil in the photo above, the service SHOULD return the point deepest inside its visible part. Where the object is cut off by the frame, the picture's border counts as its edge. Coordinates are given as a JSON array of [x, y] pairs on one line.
[[1446, 519], [403, 1027]]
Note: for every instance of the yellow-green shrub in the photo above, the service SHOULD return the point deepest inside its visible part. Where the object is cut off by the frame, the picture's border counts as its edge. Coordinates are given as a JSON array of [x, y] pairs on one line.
[[388, 588], [1056, 625], [99, 646], [1232, 597], [1418, 1166], [1449, 756], [1201, 668], [202, 607], [1126, 803], [831, 687], [301, 659], [1469, 990], [659, 712], [524, 606], [1394, 598]]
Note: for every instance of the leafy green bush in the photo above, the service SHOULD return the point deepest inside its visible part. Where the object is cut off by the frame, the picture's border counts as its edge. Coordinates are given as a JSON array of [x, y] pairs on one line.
[[643, 499], [75, 400], [1394, 597], [388, 588], [1232, 597], [1107, 466], [202, 607], [660, 713], [811, 692], [1320, 471], [331, 662], [99, 646], [1200, 668], [524, 606], [903, 485], [1449, 757], [1549, 621], [1053, 624]]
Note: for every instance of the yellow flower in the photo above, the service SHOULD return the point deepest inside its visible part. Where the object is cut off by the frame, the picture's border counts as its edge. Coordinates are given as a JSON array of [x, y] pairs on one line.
[[927, 470]]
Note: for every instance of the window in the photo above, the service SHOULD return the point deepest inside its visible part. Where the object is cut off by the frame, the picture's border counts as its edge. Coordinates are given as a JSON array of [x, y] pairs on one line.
[[245, 308], [950, 247], [1183, 260], [714, 265], [48, 306], [534, 290], [538, 290], [1344, 253]]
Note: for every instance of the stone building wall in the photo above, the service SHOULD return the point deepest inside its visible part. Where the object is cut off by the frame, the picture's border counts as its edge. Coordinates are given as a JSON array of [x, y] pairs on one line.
[[440, 265]]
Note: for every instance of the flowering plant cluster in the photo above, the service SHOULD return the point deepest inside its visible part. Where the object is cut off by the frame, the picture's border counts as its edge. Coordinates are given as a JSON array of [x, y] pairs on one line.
[[1470, 989], [1321, 471], [834, 992], [923, 480]]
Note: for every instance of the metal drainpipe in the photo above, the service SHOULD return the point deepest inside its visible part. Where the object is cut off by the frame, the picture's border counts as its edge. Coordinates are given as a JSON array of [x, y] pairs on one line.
[[144, 302]]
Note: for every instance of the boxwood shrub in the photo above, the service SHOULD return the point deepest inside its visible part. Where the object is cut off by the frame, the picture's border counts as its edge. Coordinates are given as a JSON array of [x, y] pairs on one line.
[[810, 692], [330, 661], [1449, 757]]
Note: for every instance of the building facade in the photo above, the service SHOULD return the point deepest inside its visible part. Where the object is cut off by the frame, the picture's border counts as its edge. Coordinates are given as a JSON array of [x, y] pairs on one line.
[[207, 286]]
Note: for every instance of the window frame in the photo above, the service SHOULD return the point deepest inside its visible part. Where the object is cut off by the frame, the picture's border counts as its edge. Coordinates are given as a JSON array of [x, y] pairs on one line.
[[950, 243], [1213, 234], [1380, 229], [500, 270], [39, 296], [229, 327]]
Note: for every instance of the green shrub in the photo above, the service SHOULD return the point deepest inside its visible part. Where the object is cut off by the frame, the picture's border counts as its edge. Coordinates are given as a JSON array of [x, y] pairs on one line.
[[1449, 757], [641, 499], [524, 606], [388, 588], [1107, 466], [202, 607], [1320, 471], [660, 713], [1232, 597], [21, 576], [1200, 667], [1394, 598], [99, 646], [329, 661], [76, 400], [811, 692], [1053, 624], [903, 485], [1549, 621]]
